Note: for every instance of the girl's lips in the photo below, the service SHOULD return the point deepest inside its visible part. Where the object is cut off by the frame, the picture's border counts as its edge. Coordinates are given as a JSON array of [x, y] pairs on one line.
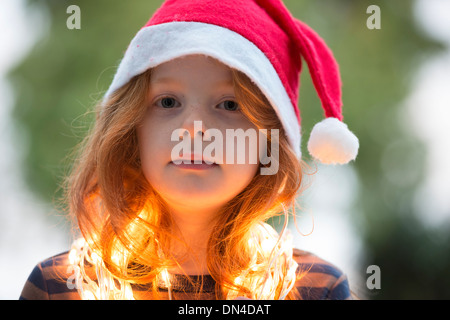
[[193, 166]]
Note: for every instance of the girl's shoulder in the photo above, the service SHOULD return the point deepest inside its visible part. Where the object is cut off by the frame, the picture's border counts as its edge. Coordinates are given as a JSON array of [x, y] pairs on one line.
[[51, 279], [319, 279]]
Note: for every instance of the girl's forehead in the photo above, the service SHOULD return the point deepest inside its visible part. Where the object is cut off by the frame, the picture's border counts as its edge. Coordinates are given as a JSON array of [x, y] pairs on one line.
[[191, 66]]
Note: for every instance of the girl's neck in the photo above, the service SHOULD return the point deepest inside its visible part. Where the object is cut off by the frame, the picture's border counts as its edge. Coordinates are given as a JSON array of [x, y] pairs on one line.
[[193, 227]]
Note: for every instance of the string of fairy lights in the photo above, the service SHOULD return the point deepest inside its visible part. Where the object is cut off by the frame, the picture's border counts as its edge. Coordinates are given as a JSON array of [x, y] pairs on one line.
[[265, 242]]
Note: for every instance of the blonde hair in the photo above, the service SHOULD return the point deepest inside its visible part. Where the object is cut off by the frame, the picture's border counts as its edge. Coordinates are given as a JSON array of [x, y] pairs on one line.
[[117, 210]]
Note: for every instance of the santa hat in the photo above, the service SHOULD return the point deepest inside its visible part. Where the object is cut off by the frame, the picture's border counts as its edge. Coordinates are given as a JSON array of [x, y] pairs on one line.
[[261, 39]]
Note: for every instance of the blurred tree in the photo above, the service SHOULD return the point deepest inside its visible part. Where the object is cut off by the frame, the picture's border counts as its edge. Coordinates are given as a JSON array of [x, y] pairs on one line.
[[69, 70], [377, 67], [63, 77]]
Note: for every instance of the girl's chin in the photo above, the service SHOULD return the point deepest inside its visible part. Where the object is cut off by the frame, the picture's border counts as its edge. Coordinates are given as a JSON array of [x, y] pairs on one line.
[[195, 194]]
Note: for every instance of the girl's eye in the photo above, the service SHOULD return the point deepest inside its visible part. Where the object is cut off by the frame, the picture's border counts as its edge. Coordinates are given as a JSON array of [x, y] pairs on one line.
[[230, 105], [167, 102]]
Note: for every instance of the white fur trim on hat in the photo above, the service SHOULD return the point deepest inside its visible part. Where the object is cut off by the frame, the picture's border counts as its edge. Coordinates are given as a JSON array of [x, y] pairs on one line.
[[160, 43], [331, 142]]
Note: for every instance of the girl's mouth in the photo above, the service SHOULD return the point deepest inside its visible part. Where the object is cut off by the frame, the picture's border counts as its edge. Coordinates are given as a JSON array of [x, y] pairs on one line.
[[190, 161], [194, 166]]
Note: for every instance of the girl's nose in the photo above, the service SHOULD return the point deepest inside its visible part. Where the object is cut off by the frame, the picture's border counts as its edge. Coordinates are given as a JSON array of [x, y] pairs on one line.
[[194, 122], [185, 133]]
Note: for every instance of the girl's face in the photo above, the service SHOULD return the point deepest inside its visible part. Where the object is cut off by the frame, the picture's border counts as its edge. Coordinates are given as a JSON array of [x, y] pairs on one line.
[[184, 90]]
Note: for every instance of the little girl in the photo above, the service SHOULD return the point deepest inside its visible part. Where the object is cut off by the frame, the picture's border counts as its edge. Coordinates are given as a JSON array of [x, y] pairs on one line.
[[163, 209]]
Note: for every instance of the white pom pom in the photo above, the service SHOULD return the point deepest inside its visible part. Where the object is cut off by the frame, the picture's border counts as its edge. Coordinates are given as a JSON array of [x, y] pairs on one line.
[[331, 142]]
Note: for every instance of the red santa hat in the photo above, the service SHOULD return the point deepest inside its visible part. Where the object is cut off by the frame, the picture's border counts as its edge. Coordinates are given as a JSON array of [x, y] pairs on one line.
[[261, 39]]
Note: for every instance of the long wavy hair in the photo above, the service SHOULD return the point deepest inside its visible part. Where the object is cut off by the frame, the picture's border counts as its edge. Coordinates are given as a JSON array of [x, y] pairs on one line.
[[128, 224]]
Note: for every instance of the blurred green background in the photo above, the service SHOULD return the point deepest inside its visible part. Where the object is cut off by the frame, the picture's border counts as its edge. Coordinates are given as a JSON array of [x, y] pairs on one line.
[[67, 71]]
